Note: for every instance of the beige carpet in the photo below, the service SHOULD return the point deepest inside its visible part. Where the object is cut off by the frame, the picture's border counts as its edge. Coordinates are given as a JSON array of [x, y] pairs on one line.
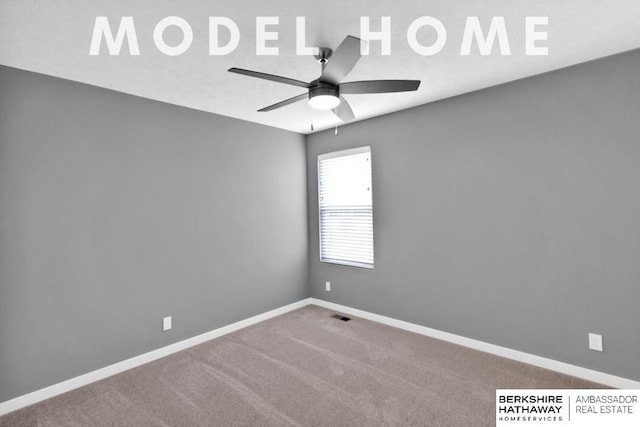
[[304, 368]]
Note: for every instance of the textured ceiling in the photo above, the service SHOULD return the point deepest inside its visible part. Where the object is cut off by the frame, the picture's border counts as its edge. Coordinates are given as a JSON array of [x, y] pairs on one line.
[[53, 37]]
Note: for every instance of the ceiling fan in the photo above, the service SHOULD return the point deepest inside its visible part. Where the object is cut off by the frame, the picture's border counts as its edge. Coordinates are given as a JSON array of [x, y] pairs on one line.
[[325, 93]]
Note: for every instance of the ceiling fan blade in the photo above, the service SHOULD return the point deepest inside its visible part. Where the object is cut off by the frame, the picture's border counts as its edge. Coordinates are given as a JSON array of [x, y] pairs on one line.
[[342, 61], [271, 77], [380, 86], [285, 102], [344, 111]]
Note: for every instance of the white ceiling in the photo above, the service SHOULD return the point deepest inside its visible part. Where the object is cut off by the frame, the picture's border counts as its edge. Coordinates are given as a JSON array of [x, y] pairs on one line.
[[53, 37]]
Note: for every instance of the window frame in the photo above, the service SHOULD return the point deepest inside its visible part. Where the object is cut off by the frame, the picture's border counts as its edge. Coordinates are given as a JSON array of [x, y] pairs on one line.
[[333, 155]]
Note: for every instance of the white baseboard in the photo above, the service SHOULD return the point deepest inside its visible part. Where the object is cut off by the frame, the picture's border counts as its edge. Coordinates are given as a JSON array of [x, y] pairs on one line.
[[116, 368], [542, 362], [88, 378]]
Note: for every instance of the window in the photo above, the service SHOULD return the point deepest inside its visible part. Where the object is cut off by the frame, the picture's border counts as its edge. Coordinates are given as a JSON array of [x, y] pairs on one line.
[[346, 210]]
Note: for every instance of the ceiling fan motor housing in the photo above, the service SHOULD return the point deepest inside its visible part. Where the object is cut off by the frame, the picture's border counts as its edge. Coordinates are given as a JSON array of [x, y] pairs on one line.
[[324, 88]]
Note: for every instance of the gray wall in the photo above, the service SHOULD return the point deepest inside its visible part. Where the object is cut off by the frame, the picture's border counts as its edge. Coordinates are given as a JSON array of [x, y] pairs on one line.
[[116, 211], [509, 215]]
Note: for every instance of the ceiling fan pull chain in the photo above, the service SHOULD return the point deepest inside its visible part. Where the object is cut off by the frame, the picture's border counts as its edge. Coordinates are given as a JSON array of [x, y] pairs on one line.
[[311, 113]]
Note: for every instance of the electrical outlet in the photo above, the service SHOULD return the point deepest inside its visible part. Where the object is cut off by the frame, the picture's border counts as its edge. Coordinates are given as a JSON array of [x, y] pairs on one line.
[[595, 342], [327, 286], [166, 323]]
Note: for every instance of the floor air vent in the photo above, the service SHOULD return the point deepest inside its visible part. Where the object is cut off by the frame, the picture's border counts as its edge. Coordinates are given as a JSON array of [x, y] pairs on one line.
[[341, 317]]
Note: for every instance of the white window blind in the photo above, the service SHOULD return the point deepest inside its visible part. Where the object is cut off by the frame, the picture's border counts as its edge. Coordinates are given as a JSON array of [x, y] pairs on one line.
[[346, 209]]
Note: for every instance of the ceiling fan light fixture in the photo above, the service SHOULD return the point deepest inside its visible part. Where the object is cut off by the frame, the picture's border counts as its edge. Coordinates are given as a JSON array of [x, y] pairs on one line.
[[324, 102], [324, 96]]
